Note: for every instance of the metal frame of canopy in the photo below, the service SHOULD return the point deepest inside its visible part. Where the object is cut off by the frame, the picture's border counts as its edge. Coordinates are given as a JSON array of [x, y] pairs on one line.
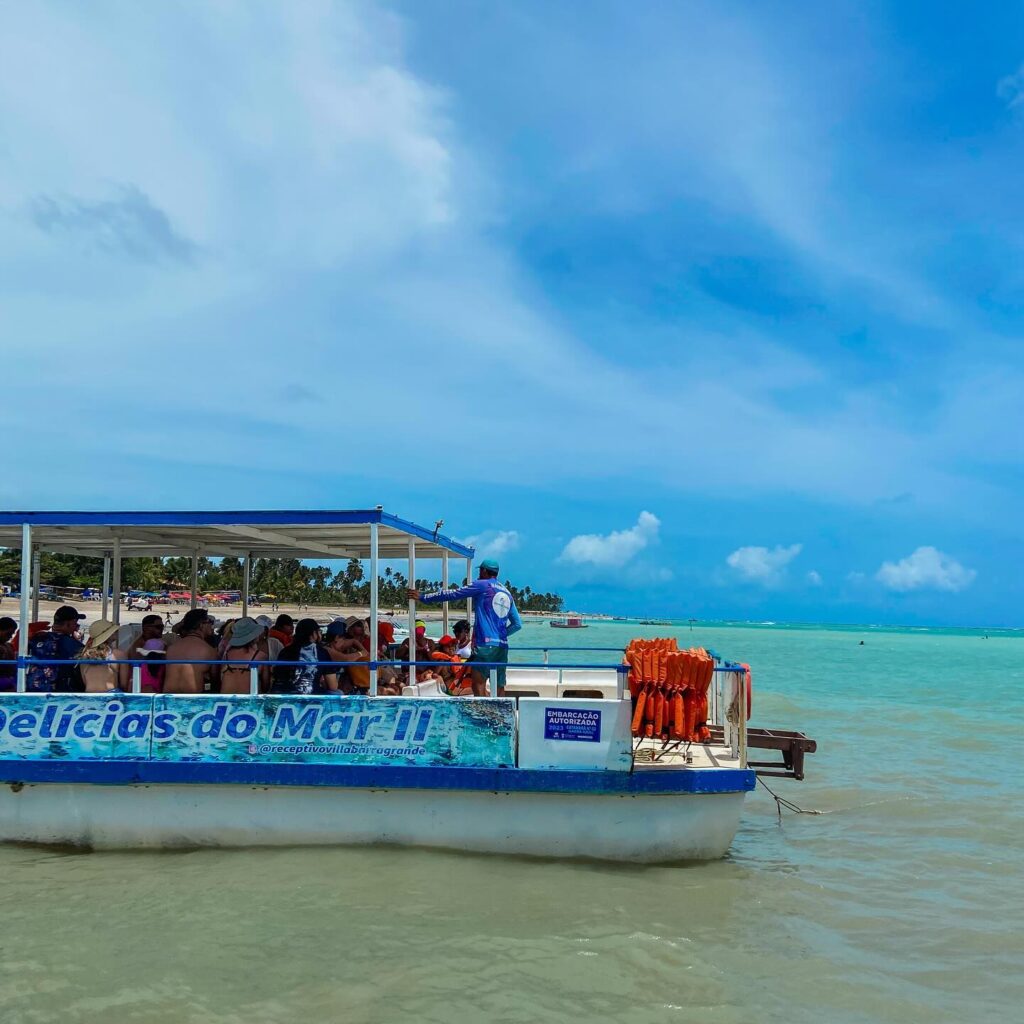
[[371, 534]]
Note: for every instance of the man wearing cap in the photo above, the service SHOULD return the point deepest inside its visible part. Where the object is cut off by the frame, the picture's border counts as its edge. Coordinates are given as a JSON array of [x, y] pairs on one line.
[[195, 631], [495, 619], [56, 643]]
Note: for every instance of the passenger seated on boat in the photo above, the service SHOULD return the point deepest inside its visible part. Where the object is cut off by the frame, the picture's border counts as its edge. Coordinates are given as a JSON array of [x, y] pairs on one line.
[[8, 673], [309, 677], [270, 645], [194, 644], [424, 645], [244, 648], [223, 637], [455, 678], [152, 629], [114, 675], [151, 676], [463, 633], [346, 642], [283, 629], [59, 642]]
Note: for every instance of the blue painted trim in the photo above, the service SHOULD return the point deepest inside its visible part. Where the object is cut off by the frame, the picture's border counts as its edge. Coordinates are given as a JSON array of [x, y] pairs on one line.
[[387, 519], [501, 780], [264, 517]]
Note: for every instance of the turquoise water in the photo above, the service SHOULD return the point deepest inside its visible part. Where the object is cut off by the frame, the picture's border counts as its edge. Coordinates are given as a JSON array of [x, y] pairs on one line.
[[902, 902]]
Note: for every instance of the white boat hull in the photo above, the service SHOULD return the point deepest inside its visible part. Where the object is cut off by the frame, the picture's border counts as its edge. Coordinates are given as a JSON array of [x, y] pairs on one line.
[[644, 828]]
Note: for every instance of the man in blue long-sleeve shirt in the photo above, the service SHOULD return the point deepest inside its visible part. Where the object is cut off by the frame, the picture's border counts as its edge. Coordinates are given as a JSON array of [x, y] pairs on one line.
[[495, 619]]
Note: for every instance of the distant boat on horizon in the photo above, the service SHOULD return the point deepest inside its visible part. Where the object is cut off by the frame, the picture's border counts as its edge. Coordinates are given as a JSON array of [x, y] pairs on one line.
[[568, 622]]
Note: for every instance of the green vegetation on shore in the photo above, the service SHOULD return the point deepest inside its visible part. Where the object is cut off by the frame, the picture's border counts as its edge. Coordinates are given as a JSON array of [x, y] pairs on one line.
[[288, 579]]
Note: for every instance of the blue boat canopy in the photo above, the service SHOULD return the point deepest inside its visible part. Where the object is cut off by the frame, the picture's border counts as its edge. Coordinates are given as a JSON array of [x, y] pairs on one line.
[[337, 534]]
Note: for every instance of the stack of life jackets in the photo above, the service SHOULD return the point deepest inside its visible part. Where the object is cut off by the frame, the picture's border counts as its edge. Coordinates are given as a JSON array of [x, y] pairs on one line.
[[669, 689]]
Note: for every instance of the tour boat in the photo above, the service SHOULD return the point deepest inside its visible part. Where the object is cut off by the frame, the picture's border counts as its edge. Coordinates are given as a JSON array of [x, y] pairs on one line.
[[569, 622], [557, 767]]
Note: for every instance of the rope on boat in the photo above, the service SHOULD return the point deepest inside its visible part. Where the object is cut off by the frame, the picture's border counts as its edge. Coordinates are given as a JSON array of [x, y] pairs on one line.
[[781, 801]]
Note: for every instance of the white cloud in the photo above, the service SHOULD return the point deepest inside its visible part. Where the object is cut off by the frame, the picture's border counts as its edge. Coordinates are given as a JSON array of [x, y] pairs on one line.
[[612, 549], [814, 578], [763, 565], [1010, 88], [493, 543], [926, 569]]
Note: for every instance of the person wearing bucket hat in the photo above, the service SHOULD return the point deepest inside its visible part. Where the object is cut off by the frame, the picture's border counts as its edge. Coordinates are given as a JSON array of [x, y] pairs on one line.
[[101, 645], [495, 619], [244, 648]]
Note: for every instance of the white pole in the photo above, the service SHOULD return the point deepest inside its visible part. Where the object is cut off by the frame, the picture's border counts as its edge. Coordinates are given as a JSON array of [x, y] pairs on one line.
[[195, 578], [374, 611], [469, 600], [444, 586], [37, 559], [105, 606], [26, 585], [412, 612], [246, 571], [741, 683], [254, 681], [136, 679], [117, 581]]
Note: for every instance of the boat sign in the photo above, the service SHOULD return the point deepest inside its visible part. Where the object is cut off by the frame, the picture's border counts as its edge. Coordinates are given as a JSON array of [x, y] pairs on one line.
[[326, 730], [575, 734], [578, 724]]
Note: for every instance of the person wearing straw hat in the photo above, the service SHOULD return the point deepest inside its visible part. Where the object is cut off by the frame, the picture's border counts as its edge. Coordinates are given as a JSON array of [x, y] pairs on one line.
[[100, 646], [244, 648]]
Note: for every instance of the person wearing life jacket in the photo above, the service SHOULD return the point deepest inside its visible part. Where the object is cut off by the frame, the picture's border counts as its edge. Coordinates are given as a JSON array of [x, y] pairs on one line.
[[454, 671], [495, 619]]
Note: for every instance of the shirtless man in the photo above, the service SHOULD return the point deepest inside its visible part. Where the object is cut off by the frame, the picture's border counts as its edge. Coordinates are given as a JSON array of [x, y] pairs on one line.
[[152, 629], [196, 630]]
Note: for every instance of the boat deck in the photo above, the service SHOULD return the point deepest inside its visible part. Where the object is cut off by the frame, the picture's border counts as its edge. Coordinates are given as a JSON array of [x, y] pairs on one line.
[[651, 755]]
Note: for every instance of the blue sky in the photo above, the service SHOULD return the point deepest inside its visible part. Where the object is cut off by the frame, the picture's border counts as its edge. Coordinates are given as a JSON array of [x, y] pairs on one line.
[[685, 309]]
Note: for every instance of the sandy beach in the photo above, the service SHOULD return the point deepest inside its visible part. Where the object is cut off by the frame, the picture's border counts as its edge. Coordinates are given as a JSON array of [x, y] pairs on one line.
[[323, 613]]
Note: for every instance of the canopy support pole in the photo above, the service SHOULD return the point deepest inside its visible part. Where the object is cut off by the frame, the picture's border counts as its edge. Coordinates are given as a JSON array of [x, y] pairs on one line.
[[37, 559], [117, 582], [412, 612], [195, 579], [246, 573], [26, 586], [444, 586], [105, 600], [374, 611], [469, 600]]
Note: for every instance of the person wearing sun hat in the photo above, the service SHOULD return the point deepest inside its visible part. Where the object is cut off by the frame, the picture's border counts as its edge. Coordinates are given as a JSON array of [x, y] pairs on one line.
[[495, 619], [244, 648], [101, 646]]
